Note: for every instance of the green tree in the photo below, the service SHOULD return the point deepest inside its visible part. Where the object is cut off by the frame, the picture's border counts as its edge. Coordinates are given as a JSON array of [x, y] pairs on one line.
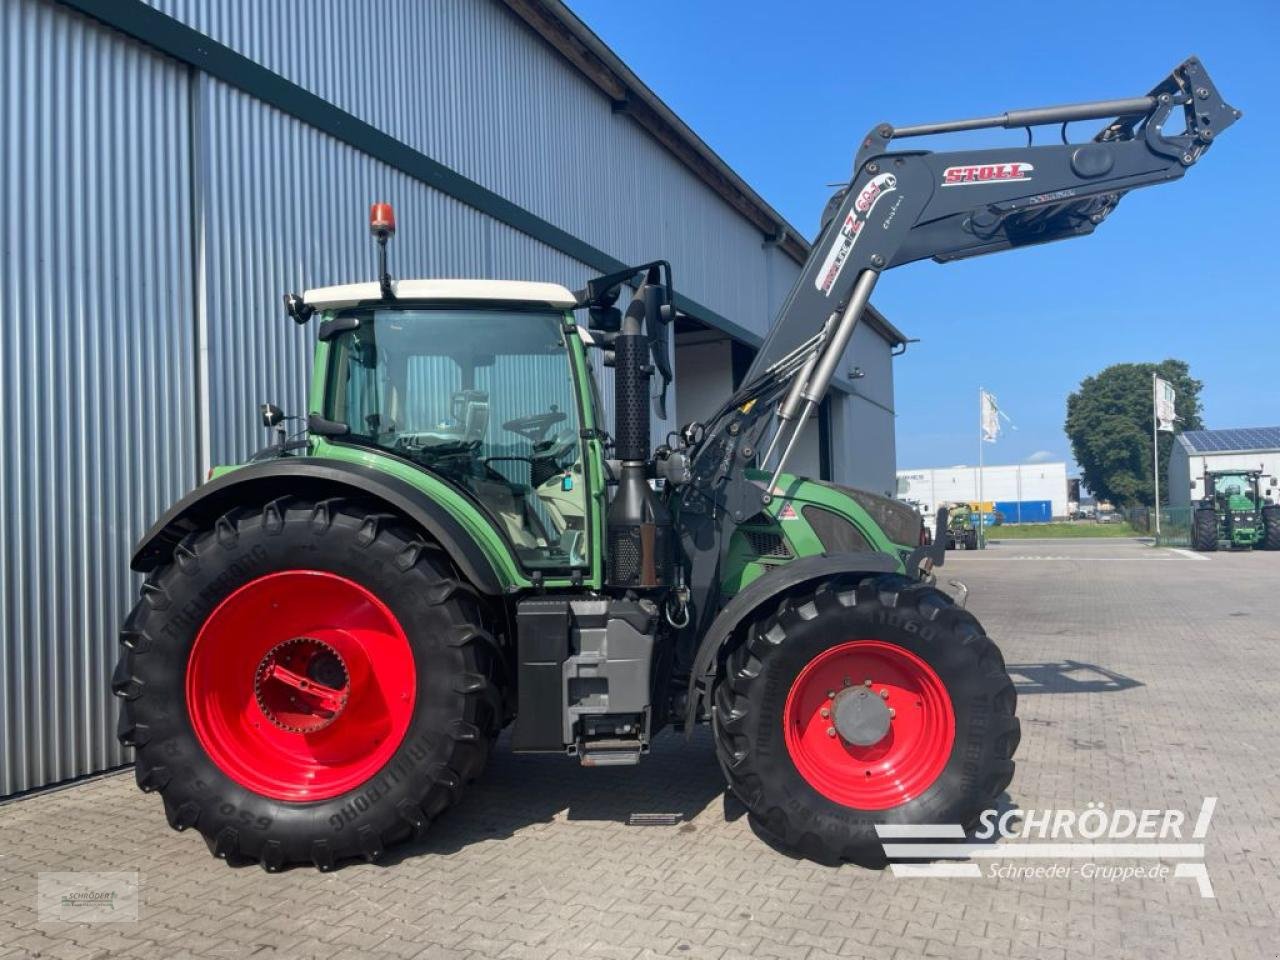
[[1109, 426]]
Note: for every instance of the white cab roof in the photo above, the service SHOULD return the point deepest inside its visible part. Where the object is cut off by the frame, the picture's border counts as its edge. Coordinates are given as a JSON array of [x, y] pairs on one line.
[[524, 291]]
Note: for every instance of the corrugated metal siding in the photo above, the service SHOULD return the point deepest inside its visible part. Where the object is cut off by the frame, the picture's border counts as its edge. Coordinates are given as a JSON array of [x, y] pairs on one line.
[[535, 131], [96, 362], [285, 208]]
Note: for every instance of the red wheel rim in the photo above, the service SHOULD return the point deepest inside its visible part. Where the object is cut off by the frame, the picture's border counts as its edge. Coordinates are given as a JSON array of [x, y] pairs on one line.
[[905, 696], [300, 685]]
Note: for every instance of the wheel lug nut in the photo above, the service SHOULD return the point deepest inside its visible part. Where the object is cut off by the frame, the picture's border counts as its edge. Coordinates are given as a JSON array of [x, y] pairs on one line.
[[831, 731], [825, 713], [892, 713], [884, 694], [866, 682], [831, 694], [848, 682]]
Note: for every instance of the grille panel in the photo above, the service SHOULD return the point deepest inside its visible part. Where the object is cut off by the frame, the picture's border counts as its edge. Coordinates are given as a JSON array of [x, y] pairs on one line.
[[768, 544]]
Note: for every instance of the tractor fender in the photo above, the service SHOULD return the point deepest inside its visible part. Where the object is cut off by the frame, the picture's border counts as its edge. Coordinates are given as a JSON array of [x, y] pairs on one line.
[[759, 592], [264, 480]]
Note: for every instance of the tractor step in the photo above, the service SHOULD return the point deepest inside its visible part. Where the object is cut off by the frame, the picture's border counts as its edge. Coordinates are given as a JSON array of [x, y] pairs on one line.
[[610, 753]]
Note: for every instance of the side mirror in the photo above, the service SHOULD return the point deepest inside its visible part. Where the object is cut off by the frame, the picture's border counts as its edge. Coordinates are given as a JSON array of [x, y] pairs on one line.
[[299, 311], [604, 319], [272, 415]]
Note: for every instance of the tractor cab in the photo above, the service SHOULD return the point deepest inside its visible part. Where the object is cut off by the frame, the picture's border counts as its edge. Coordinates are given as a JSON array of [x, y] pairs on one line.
[[477, 381]]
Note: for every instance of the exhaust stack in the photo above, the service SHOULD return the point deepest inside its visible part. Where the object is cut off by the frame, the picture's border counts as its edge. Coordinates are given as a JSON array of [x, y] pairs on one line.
[[639, 524]]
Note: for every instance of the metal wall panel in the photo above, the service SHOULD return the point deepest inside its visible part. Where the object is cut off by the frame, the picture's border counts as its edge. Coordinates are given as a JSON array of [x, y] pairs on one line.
[[467, 83], [285, 208], [96, 365], [282, 208]]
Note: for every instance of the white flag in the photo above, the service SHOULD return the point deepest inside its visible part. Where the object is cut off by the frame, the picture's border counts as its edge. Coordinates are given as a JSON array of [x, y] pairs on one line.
[[990, 418], [1165, 415]]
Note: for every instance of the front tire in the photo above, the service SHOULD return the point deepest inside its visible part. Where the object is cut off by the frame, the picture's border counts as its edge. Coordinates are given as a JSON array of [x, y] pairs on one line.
[[931, 740], [306, 682], [1204, 531]]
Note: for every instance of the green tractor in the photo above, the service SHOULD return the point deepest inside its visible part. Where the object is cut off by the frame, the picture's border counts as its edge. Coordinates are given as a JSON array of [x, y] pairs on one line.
[[1233, 511], [330, 637], [962, 528]]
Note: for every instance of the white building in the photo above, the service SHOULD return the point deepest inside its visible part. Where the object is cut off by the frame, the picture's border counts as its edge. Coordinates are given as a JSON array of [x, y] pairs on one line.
[[1019, 491], [1194, 452]]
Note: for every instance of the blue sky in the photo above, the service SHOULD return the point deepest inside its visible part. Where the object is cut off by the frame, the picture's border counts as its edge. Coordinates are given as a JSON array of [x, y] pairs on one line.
[[783, 91]]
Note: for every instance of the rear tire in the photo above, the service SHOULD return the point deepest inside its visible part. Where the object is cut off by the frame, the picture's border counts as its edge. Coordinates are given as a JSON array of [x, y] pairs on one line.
[[971, 540], [1204, 531], [237, 758], [1270, 528], [829, 810]]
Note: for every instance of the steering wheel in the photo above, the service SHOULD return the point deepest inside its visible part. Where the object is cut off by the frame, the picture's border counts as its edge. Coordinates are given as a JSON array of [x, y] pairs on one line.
[[535, 427], [544, 458]]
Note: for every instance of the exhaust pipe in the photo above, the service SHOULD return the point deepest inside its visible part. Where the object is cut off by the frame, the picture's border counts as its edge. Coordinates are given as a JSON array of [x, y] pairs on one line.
[[638, 523]]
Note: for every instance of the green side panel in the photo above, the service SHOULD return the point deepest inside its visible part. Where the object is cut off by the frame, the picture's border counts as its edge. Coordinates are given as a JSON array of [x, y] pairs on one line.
[[782, 532]]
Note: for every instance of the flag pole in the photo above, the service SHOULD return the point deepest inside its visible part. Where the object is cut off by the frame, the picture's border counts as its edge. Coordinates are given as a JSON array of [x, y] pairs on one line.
[[1155, 446], [982, 533]]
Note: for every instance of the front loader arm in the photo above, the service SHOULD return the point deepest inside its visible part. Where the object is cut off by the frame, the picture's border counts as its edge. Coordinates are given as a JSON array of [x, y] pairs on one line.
[[902, 206], [906, 206]]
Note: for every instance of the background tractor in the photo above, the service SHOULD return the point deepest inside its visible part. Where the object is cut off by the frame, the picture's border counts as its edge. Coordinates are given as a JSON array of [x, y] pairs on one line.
[[330, 637], [1233, 511], [962, 528]]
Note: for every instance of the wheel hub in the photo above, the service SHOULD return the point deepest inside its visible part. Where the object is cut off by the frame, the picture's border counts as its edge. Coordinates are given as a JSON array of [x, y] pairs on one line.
[[860, 717], [302, 685], [868, 724]]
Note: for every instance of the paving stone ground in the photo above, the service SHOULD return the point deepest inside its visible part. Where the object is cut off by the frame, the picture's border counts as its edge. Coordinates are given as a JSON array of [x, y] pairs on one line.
[[1147, 678]]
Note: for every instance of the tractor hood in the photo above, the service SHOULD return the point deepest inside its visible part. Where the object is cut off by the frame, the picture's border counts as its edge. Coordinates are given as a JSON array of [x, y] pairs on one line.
[[899, 522]]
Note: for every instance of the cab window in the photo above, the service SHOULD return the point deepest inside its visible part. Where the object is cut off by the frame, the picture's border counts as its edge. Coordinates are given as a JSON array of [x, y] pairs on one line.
[[483, 398]]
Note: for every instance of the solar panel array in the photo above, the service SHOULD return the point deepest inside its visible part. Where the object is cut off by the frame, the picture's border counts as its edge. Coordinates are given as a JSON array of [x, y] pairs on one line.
[[1233, 441]]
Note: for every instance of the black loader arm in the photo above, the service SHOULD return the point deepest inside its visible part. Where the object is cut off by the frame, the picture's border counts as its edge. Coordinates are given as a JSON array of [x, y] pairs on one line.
[[906, 206]]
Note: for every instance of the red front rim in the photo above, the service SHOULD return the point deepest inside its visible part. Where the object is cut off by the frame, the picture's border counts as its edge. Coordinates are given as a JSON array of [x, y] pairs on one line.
[[900, 694], [300, 685]]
